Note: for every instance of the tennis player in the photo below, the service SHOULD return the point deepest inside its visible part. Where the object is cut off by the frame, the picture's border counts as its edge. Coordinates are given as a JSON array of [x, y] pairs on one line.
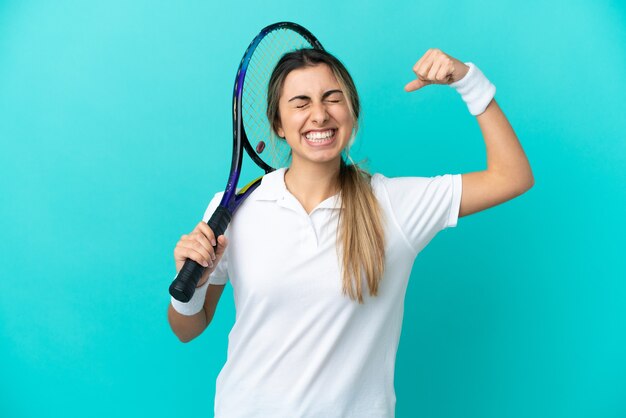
[[320, 254]]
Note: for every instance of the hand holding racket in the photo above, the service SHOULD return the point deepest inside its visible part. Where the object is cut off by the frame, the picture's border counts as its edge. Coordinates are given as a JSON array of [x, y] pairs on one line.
[[250, 126], [198, 246]]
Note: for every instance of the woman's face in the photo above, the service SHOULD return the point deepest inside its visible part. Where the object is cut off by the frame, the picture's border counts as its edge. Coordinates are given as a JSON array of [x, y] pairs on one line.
[[315, 118]]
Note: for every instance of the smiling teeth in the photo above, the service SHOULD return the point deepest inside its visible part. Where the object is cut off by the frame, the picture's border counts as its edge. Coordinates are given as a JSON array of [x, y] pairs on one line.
[[319, 136]]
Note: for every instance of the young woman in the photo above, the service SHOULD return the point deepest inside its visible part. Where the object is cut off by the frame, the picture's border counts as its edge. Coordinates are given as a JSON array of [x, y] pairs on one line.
[[322, 251]]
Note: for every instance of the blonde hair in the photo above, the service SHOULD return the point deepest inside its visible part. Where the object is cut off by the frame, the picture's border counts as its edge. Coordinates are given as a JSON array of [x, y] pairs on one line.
[[360, 231]]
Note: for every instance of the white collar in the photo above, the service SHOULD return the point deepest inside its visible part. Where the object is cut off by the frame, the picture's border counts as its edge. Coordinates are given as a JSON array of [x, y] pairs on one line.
[[273, 188]]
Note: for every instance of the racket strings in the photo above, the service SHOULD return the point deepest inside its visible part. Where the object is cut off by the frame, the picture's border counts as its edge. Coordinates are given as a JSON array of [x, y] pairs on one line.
[[254, 99]]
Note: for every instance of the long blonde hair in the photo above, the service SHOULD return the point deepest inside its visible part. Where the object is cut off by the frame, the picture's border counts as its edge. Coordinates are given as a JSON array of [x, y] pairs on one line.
[[360, 232]]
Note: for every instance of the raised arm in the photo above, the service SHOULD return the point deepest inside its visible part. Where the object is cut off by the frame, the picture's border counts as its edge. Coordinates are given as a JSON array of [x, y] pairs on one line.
[[508, 172]]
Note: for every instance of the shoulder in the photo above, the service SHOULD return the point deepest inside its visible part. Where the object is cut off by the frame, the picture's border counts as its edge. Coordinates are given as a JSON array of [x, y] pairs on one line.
[[400, 189], [379, 179], [213, 204]]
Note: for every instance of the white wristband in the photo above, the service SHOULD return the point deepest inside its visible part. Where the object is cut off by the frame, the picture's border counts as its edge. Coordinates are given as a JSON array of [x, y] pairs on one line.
[[194, 305], [475, 90]]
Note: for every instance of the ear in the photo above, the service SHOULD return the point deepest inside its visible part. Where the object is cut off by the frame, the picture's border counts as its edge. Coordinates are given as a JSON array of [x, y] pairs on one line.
[[280, 132]]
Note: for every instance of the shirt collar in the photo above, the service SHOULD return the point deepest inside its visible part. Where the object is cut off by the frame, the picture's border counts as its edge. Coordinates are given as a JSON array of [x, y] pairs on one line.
[[273, 188]]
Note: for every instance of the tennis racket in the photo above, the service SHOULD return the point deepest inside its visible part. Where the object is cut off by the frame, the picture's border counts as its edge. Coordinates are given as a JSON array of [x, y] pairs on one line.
[[250, 126]]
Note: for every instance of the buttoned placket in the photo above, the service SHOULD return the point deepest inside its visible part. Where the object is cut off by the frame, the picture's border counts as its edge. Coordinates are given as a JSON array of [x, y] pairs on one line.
[[310, 223]]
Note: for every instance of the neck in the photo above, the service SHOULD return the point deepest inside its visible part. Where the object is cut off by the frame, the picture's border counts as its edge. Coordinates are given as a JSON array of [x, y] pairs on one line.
[[311, 184]]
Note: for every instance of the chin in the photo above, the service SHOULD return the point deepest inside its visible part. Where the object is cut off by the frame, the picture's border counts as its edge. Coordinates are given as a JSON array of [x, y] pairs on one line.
[[326, 159]]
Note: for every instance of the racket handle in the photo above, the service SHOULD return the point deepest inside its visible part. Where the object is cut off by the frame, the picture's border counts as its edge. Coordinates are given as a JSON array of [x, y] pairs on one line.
[[219, 221], [184, 285]]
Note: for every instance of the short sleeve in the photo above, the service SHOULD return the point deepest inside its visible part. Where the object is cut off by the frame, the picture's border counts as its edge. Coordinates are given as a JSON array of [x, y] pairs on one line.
[[220, 274], [423, 206]]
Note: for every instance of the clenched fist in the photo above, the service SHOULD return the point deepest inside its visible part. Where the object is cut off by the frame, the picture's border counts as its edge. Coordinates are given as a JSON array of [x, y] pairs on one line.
[[436, 67]]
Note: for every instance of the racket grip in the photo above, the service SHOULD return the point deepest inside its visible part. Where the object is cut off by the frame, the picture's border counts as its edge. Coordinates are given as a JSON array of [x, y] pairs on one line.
[[184, 285], [219, 221]]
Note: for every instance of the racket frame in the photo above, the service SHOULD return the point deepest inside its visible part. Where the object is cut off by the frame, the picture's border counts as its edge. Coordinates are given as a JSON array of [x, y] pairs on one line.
[[184, 285], [230, 199]]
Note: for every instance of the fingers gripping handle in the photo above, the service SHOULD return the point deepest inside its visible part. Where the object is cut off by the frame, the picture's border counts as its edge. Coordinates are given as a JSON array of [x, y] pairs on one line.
[[184, 285]]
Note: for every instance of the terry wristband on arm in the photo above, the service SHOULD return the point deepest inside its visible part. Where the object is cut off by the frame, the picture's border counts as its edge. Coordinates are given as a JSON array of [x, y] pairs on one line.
[[475, 90], [195, 304]]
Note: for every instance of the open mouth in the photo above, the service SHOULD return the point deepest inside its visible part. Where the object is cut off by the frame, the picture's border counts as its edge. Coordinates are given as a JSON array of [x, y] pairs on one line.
[[320, 138]]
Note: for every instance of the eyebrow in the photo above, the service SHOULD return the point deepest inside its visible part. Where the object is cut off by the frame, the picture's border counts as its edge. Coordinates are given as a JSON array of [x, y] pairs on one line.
[[325, 95]]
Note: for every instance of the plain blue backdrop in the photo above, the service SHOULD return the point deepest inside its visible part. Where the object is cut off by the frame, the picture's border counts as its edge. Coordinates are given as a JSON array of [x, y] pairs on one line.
[[115, 132]]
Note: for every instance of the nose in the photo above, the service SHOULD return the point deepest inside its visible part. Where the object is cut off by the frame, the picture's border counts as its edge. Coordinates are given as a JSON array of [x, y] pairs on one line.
[[319, 113]]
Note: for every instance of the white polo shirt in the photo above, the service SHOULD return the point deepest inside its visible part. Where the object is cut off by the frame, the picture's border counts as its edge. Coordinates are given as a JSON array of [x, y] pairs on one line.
[[299, 347]]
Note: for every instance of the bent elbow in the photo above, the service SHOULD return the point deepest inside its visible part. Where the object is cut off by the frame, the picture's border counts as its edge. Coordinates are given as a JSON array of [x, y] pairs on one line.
[[523, 188], [186, 328], [185, 338], [525, 185], [530, 183]]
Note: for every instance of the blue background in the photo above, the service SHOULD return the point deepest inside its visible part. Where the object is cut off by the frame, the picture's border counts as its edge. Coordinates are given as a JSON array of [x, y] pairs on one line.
[[115, 132]]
